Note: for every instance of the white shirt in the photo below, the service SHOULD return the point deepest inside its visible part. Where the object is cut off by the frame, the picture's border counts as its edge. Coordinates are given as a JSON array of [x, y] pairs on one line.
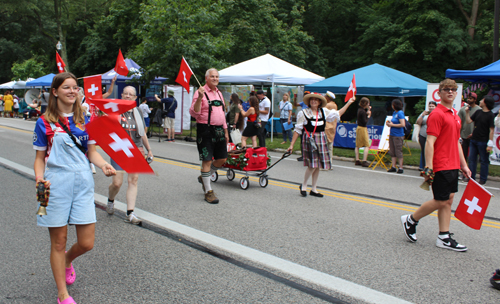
[[265, 103], [285, 107], [145, 110], [331, 116]]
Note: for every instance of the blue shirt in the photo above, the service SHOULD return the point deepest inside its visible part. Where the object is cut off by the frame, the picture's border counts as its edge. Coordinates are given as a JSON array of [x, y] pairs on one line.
[[396, 116], [167, 102]]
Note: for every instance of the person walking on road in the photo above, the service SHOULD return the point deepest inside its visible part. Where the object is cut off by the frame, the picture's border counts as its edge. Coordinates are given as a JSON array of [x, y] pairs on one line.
[[443, 157], [61, 142], [311, 126], [211, 131], [133, 123]]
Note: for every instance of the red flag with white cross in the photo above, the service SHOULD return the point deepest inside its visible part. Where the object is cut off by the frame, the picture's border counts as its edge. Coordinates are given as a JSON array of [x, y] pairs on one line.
[[473, 205], [113, 106], [92, 87], [121, 67], [60, 63], [352, 89], [114, 140], [184, 75]]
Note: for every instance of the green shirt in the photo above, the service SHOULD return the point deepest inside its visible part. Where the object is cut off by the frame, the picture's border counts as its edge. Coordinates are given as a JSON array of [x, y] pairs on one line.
[[466, 128]]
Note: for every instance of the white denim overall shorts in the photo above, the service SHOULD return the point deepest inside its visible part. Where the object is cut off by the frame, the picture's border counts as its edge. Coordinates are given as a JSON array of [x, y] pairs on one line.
[[71, 199]]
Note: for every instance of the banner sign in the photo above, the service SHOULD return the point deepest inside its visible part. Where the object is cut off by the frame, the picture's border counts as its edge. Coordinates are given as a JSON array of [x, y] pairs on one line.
[[346, 134]]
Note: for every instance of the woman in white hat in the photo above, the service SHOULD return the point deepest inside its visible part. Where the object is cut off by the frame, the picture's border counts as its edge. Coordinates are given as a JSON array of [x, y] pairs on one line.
[[310, 125]]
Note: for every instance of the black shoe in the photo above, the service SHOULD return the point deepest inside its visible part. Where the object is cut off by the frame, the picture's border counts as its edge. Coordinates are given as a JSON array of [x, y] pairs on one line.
[[302, 192], [392, 170], [495, 279], [317, 194], [357, 163], [409, 228], [400, 171], [300, 159], [482, 182], [446, 242]]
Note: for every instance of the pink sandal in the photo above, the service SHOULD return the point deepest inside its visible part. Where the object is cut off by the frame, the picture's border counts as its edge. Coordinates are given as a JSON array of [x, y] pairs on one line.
[[68, 300], [70, 275]]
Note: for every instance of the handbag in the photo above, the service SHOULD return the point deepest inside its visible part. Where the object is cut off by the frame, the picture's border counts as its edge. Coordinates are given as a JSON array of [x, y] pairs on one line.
[[257, 123], [236, 136]]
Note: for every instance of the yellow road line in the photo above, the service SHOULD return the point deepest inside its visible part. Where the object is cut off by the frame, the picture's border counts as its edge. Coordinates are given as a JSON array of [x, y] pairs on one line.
[[18, 130], [350, 197]]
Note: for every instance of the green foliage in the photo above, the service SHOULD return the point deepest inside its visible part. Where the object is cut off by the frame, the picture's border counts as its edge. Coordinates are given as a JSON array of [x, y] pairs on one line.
[[28, 68]]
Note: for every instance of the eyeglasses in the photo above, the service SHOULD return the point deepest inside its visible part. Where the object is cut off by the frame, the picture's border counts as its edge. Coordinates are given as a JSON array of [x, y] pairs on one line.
[[130, 94], [449, 90]]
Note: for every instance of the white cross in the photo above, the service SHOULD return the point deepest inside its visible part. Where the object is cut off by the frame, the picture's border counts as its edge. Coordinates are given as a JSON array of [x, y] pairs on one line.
[[93, 89], [112, 105], [59, 67], [473, 205], [184, 73], [352, 88], [121, 145]]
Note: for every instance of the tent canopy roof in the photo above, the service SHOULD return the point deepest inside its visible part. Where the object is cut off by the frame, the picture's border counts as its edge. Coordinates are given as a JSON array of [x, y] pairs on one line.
[[132, 67], [373, 80], [16, 85], [267, 69], [489, 73], [44, 81]]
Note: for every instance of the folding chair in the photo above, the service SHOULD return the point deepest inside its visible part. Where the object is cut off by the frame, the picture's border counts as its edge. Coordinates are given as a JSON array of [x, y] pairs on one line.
[[405, 146], [378, 154]]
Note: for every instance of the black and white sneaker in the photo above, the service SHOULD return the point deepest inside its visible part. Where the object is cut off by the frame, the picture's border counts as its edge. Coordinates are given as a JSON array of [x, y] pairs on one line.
[[409, 228], [445, 241]]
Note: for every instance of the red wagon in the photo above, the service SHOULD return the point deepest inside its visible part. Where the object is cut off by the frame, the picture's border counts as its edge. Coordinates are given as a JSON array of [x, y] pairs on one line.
[[249, 161]]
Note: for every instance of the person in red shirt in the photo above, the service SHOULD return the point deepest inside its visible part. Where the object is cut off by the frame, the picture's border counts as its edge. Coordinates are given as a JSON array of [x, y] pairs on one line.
[[444, 158]]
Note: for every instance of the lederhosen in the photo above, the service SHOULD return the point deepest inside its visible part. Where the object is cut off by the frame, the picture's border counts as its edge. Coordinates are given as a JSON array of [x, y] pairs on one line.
[[319, 156], [211, 139]]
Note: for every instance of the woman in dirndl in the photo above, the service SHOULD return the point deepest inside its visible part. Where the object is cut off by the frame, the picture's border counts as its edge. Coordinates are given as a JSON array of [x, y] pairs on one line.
[[310, 125]]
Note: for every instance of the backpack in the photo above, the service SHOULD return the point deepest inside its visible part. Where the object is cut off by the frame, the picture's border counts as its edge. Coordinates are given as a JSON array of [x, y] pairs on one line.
[[408, 128]]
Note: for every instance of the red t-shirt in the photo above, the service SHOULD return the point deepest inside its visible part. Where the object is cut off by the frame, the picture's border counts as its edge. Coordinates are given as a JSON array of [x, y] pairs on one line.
[[444, 123]]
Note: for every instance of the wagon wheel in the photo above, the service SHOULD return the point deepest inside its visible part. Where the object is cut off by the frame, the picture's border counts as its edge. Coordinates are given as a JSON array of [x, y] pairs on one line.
[[263, 181], [214, 177], [230, 174], [244, 183]]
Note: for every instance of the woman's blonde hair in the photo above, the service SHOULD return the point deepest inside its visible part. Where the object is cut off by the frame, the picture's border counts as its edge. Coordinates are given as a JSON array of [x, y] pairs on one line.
[[52, 114]]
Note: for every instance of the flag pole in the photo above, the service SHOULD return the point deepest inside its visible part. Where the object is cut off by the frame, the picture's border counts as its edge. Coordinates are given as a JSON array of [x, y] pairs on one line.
[[197, 80]]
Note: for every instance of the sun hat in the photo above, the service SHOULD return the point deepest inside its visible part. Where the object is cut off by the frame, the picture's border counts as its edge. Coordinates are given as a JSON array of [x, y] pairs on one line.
[[315, 95], [170, 92]]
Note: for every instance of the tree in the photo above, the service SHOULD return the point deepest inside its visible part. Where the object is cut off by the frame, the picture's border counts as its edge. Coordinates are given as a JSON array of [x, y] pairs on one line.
[[28, 68]]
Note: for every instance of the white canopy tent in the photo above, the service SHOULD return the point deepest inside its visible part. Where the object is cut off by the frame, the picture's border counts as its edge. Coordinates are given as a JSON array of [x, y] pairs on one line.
[[267, 69], [15, 85]]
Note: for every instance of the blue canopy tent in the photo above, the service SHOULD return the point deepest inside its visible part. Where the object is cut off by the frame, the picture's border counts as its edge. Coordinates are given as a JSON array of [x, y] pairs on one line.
[[488, 74], [44, 81], [373, 80]]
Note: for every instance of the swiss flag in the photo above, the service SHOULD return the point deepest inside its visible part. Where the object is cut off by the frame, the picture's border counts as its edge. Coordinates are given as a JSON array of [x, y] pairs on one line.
[[113, 106], [473, 205], [121, 66], [352, 89], [184, 76], [114, 140], [60, 63], [92, 87]]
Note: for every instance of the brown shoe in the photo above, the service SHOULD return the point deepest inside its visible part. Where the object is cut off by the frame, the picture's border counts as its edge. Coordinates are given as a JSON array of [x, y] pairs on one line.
[[358, 163], [365, 164], [211, 198]]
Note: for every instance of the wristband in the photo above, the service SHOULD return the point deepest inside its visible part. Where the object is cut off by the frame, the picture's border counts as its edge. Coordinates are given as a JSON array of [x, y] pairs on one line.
[[429, 173], [490, 143]]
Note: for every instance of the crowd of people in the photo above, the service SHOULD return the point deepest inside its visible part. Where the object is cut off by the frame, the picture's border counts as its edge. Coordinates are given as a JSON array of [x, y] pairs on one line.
[[65, 151]]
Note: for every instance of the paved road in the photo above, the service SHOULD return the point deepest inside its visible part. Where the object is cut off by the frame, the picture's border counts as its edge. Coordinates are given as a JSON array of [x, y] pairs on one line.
[[250, 248]]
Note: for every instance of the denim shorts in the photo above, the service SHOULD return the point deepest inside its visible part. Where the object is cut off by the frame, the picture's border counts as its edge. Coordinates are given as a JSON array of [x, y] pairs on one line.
[[71, 199]]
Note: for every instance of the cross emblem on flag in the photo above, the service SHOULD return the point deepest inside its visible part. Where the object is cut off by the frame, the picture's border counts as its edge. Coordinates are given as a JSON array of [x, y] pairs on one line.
[[114, 140], [473, 205]]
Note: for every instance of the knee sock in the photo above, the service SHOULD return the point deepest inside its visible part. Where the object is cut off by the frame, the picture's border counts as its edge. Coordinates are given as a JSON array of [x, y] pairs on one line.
[[205, 178], [213, 169]]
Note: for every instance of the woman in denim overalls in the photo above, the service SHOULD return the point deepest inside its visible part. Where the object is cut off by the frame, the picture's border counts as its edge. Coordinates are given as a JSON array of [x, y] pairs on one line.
[[67, 170]]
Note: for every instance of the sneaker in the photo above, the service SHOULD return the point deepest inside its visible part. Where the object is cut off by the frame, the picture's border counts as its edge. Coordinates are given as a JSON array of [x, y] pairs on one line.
[[482, 182], [300, 159], [400, 171], [110, 208], [357, 163], [392, 170], [409, 228], [132, 219], [365, 164], [445, 241], [211, 198], [201, 182], [495, 279]]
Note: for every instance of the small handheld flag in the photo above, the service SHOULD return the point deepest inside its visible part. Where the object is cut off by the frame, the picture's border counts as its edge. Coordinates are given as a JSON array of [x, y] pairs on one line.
[[121, 66], [184, 75], [473, 205], [352, 89]]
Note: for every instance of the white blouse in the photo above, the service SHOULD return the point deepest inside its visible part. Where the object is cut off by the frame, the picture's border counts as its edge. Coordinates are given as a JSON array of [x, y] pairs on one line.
[[331, 116]]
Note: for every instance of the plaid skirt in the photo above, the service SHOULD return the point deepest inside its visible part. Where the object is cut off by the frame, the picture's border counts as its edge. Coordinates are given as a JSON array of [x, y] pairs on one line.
[[319, 158]]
